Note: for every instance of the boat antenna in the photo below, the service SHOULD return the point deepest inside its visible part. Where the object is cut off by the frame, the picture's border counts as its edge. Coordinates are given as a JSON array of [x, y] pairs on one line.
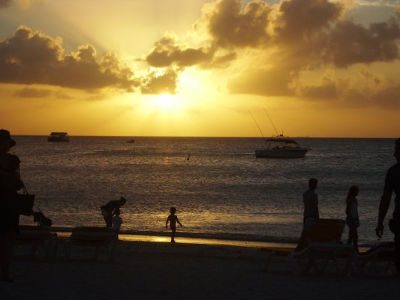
[[270, 119], [255, 122]]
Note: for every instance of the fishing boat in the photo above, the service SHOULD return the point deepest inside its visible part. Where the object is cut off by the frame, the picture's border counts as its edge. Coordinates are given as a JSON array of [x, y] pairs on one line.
[[281, 147], [58, 137]]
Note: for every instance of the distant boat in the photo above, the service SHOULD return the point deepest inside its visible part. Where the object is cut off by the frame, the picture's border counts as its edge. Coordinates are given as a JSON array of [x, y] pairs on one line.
[[281, 147], [58, 137], [131, 141]]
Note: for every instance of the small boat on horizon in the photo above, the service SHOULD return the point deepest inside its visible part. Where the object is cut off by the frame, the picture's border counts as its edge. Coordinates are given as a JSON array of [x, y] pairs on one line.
[[281, 147], [58, 137], [131, 141]]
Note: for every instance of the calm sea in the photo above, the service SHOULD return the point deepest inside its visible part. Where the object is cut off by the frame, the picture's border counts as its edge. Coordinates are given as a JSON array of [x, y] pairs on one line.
[[217, 184]]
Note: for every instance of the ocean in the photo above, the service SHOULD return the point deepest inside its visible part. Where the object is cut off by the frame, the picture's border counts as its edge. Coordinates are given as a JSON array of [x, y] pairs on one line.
[[216, 184]]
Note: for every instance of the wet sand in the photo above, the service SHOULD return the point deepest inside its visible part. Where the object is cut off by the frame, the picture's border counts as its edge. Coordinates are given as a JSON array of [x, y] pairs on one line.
[[155, 270]]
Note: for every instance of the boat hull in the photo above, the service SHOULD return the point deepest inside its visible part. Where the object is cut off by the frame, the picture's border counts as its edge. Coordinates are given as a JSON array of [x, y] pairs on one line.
[[59, 140], [281, 153]]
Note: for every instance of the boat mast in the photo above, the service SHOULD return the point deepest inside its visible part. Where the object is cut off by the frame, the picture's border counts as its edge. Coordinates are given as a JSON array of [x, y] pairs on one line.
[[255, 122], [272, 123]]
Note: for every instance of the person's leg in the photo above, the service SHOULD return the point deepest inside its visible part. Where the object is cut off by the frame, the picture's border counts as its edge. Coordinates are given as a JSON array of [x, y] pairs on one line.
[[6, 253], [355, 238], [397, 251], [173, 231], [350, 239], [107, 218]]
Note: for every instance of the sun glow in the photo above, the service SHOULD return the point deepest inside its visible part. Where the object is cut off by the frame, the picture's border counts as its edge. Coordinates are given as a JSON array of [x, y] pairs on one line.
[[163, 104], [167, 102]]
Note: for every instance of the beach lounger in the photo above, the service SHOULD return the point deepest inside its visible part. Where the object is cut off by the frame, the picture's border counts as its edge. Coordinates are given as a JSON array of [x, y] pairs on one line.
[[377, 260], [324, 249], [37, 238], [98, 238]]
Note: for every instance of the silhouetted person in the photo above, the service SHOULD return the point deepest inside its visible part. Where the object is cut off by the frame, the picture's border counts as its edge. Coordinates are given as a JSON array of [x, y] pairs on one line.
[[392, 184], [311, 212], [40, 219], [352, 218], [108, 210], [172, 220], [10, 183], [117, 220]]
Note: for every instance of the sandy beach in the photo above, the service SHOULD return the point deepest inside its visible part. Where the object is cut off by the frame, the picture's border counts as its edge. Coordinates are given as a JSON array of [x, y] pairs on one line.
[[155, 270]]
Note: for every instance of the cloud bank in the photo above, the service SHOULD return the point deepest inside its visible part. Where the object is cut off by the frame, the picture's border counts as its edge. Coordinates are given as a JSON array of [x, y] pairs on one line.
[[275, 45], [30, 57]]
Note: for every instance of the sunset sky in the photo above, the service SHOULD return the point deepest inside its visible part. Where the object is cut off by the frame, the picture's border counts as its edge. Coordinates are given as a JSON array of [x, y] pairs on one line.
[[200, 68]]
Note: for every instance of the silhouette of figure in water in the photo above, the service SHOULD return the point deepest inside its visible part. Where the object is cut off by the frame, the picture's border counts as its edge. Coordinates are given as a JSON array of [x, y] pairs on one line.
[[352, 219], [108, 210], [311, 212], [10, 183], [392, 184], [172, 220]]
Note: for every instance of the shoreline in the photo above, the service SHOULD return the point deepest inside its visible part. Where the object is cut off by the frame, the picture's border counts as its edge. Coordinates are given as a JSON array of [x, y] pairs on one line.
[[208, 239]]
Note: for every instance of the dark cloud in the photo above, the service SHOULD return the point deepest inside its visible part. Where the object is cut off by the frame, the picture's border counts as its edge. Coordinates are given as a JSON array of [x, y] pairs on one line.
[[301, 19], [159, 83], [167, 52], [312, 35], [267, 82], [5, 3], [30, 92], [232, 24], [326, 91], [359, 90], [30, 57], [351, 43]]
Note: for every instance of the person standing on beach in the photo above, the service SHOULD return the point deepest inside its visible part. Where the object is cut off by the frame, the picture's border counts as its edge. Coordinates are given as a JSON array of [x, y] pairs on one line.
[[172, 220], [10, 183], [392, 184], [352, 218], [311, 212], [108, 210]]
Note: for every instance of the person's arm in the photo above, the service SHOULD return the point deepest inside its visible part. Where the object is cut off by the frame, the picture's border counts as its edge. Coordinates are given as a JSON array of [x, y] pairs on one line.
[[384, 205], [348, 207], [166, 223], [177, 220]]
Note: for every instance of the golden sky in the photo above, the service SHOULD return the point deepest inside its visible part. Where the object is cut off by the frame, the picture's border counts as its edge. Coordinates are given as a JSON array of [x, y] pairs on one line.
[[200, 68]]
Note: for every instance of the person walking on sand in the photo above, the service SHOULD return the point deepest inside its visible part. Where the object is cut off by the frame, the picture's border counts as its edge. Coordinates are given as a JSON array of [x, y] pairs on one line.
[[108, 210], [172, 220], [392, 184], [352, 218], [311, 212], [10, 183]]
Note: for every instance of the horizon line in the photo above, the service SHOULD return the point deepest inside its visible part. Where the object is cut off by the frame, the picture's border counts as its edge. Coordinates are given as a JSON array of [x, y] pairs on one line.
[[215, 137]]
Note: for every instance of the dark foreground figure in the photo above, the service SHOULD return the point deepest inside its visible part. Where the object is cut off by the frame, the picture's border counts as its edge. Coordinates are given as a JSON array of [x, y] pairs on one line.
[[10, 183], [392, 184], [108, 210]]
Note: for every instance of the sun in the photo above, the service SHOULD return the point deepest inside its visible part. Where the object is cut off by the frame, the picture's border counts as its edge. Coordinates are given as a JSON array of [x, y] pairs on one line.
[[167, 103]]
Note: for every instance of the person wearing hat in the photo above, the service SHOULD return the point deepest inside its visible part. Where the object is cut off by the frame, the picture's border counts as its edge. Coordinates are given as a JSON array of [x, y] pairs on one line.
[[10, 183], [392, 184]]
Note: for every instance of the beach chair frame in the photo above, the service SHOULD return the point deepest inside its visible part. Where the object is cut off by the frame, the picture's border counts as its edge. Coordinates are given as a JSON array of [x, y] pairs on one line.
[[38, 238], [98, 238]]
